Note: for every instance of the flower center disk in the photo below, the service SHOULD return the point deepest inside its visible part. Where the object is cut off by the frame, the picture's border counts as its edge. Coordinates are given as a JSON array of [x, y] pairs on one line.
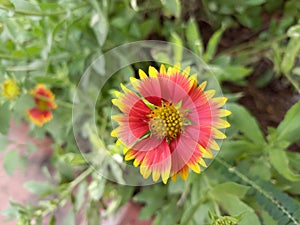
[[166, 121]]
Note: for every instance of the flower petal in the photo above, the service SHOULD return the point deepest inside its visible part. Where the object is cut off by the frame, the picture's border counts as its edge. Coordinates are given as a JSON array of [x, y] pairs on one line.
[[39, 117], [157, 161]]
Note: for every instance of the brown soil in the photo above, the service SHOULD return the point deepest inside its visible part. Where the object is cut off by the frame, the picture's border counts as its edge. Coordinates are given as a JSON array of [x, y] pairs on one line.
[[270, 103]]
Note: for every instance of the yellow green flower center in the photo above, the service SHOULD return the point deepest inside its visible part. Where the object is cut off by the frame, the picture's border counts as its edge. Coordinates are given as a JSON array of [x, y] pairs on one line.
[[10, 89], [42, 105], [166, 121]]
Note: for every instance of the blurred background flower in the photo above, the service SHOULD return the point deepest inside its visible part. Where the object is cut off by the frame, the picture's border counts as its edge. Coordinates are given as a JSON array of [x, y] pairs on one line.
[[10, 89], [44, 103]]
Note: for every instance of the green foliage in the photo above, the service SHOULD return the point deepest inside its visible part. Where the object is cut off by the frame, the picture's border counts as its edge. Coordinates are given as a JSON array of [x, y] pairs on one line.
[[289, 129], [4, 118], [12, 161], [153, 201], [278, 204], [194, 40], [40, 188], [246, 123], [172, 7]]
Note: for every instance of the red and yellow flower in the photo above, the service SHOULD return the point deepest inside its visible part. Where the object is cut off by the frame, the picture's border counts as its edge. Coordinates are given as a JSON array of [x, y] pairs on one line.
[[44, 103], [170, 123], [10, 89]]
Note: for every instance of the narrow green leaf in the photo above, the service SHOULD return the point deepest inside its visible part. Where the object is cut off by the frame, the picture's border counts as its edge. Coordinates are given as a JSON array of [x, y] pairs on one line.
[[5, 113], [178, 49], [52, 221], [213, 45], [291, 53], [289, 129], [25, 7], [6, 3], [254, 2], [294, 31], [148, 104], [99, 25], [73, 159], [246, 123], [172, 6], [233, 73], [49, 80], [193, 37], [40, 188], [280, 162]]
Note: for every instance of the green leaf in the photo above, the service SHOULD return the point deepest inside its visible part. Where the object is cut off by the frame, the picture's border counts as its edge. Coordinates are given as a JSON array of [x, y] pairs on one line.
[[152, 202], [70, 218], [80, 195], [177, 187], [49, 80], [178, 49], [294, 31], [24, 103], [172, 6], [10, 161], [291, 53], [162, 57], [289, 129], [193, 37], [40, 188], [280, 162], [247, 124], [96, 189], [6, 3], [231, 188], [267, 219], [234, 206], [213, 45], [232, 73], [188, 214], [254, 2], [5, 113], [169, 213], [93, 214], [99, 25], [73, 159], [238, 148], [53, 220], [25, 7], [3, 142], [259, 168]]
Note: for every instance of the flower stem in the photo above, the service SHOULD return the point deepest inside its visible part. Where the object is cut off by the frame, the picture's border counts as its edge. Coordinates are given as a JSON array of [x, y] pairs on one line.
[[64, 194]]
